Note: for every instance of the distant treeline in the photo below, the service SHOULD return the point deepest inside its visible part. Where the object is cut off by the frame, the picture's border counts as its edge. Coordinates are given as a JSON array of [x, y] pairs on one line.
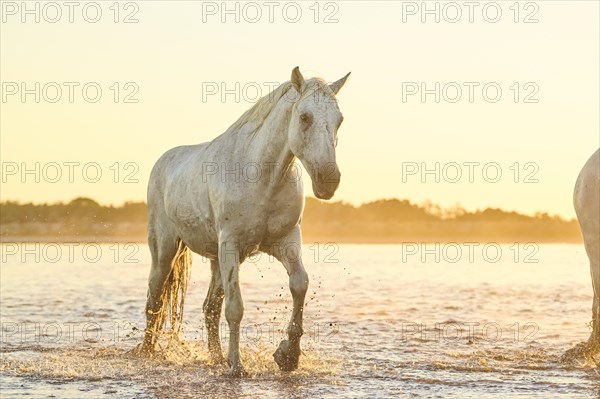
[[382, 221]]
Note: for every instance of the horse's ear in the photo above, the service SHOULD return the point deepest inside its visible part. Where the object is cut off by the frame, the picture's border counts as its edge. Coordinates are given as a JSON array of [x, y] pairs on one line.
[[297, 80], [336, 86]]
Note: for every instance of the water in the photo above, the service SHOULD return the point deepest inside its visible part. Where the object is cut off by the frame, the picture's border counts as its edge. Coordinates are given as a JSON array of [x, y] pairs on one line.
[[380, 321]]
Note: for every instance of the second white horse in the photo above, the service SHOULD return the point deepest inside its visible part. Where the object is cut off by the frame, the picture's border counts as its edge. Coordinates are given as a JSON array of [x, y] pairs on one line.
[[586, 200]]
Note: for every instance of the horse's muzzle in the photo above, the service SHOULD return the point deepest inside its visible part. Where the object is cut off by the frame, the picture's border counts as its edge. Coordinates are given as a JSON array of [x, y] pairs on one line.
[[325, 184]]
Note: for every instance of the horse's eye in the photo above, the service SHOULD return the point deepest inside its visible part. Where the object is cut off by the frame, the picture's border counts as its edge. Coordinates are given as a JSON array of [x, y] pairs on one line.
[[306, 118]]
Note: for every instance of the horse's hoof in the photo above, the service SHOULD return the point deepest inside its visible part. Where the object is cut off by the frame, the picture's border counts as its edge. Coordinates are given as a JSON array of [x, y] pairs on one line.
[[218, 360], [145, 349], [286, 357], [581, 351], [236, 369], [237, 372]]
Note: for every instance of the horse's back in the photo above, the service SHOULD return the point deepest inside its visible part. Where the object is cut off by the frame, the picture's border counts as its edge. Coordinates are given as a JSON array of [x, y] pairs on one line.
[[168, 165], [586, 200], [178, 197], [167, 187]]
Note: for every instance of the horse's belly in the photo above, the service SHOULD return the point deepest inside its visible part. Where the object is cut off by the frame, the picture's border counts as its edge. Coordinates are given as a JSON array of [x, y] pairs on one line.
[[201, 239], [196, 228]]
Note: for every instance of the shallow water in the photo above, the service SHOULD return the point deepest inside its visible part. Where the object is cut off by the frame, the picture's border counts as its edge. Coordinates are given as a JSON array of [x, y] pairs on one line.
[[380, 321]]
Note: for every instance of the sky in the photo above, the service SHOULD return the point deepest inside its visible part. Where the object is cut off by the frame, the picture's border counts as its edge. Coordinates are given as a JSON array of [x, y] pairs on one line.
[[491, 106]]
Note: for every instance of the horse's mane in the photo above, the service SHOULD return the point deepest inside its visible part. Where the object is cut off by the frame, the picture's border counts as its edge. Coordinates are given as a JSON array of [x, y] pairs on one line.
[[259, 112]]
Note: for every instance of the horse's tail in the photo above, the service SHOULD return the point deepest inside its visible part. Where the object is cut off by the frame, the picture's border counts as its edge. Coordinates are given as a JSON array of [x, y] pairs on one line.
[[173, 296]]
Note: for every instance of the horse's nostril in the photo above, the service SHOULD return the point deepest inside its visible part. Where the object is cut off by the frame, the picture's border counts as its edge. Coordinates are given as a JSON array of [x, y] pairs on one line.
[[319, 177]]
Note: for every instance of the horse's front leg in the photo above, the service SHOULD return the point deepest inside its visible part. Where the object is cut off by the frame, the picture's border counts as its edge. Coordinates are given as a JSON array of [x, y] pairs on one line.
[[229, 264], [289, 252], [212, 312]]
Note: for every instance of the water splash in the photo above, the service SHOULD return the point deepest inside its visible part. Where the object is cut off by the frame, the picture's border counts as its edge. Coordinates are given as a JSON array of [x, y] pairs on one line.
[[180, 359]]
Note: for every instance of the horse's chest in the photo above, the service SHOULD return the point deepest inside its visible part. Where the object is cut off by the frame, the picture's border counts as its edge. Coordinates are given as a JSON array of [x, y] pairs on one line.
[[283, 218], [254, 223]]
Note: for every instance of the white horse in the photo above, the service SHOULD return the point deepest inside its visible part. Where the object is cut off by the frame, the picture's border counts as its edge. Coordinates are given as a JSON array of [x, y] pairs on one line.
[[586, 200], [234, 196]]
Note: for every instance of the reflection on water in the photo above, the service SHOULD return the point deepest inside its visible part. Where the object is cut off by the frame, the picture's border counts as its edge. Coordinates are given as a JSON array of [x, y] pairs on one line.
[[380, 321]]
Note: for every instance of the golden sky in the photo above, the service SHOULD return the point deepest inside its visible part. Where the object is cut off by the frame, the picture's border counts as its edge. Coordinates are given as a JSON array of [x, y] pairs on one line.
[[178, 50]]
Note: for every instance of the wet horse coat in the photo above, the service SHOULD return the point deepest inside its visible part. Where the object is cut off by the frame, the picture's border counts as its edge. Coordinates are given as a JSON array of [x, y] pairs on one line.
[[586, 200], [202, 198]]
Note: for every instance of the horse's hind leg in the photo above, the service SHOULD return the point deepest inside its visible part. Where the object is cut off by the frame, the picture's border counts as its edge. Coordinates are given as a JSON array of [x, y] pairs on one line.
[[595, 272], [595, 336], [163, 250], [212, 312], [590, 227]]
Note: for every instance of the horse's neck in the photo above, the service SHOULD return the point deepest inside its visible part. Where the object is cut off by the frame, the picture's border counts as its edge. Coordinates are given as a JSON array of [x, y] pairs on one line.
[[269, 147]]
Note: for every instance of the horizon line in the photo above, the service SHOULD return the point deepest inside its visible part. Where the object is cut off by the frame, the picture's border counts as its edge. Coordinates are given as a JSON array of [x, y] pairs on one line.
[[326, 202]]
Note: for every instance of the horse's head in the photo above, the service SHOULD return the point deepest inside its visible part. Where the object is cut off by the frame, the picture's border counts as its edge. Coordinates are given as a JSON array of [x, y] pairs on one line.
[[314, 124]]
